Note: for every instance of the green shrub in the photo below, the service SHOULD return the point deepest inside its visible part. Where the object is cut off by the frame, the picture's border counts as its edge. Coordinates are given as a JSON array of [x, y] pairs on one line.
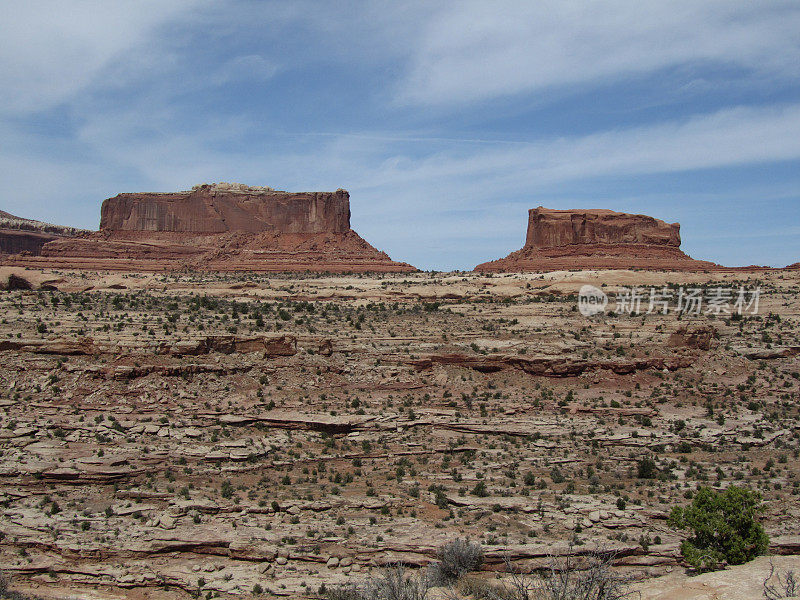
[[646, 468], [480, 490], [724, 527]]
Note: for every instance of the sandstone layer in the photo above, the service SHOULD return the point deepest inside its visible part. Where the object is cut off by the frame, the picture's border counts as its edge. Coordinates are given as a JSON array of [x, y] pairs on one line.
[[221, 227], [18, 242], [27, 236], [597, 239]]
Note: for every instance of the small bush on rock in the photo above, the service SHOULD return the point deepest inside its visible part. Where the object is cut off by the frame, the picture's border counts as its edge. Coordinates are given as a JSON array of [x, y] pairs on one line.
[[7, 594], [456, 558], [568, 577], [392, 584]]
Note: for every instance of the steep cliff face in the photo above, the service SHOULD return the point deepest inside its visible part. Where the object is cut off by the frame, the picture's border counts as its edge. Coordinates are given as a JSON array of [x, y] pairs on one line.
[[27, 236], [215, 209], [548, 227], [17, 242], [597, 239]]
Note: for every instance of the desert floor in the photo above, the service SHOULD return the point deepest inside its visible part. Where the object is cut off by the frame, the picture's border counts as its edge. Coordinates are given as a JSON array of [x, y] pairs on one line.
[[165, 436]]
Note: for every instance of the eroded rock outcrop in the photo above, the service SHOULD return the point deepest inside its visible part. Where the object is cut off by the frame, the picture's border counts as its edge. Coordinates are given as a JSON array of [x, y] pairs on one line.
[[27, 236], [548, 366], [596, 239], [16, 282], [221, 227], [18, 242], [269, 346], [702, 337], [548, 228]]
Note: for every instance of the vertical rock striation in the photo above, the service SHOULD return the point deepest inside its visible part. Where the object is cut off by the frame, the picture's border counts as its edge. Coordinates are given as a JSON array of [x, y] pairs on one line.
[[550, 228], [215, 209]]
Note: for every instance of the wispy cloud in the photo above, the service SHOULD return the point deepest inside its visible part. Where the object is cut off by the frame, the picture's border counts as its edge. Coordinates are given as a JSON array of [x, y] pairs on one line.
[[51, 50], [248, 68], [476, 50], [725, 138]]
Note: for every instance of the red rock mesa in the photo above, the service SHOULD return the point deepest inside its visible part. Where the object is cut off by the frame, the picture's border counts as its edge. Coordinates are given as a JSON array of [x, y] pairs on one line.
[[221, 227], [596, 239]]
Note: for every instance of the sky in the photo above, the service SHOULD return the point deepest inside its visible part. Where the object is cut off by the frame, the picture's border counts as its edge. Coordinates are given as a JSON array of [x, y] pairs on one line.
[[446, 121]]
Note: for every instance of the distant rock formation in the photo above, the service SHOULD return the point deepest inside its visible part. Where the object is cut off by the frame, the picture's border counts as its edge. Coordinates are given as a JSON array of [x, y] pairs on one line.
[[26, 236], [23, 242], [221, 227], [596, 239]]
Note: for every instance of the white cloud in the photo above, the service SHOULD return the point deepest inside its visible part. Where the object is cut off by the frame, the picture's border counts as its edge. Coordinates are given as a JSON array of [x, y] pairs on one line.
[[460, 175], [477, 50], [50, 50], [725, 138]]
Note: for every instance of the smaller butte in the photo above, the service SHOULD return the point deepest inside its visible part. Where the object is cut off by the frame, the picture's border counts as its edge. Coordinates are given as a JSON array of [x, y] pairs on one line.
[[27, 237], [597, 239]]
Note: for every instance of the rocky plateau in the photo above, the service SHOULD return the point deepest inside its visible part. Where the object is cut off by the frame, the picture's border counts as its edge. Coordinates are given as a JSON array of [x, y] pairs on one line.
[[229, 435]]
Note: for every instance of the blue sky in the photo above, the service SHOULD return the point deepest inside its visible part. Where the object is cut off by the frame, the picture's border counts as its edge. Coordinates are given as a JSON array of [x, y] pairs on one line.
[[446, 121]]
